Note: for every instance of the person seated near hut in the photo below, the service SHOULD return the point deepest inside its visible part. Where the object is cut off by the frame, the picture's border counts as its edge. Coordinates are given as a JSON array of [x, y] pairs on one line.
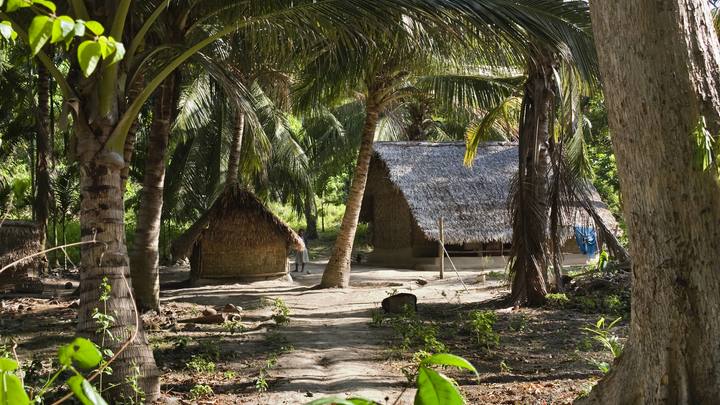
[[301, 256]]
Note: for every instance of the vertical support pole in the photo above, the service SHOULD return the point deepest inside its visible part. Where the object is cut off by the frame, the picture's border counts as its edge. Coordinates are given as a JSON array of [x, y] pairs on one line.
[[441, 248]]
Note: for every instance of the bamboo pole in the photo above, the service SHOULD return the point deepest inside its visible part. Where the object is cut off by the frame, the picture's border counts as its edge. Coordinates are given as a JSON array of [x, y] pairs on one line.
[[441, 248]]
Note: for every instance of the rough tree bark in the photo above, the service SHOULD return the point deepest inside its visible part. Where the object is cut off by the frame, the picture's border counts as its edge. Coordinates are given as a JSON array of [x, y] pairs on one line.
[[102, 218], [660, 63], [145, 254], [310, 216], [529, 204], [41, 204], [337, 271], [235, 150]]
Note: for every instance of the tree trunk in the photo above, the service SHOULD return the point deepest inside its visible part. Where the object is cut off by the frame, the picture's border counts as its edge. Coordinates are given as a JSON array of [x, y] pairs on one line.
[[337, 271], [102, 217], [145, 254], [41, 205], [530, 200], [235, 149], [310, 216], [661, 68]]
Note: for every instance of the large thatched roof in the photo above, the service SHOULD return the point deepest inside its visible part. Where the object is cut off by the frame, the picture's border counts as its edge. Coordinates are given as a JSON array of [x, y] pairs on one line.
[[236, 198], [473, 201]]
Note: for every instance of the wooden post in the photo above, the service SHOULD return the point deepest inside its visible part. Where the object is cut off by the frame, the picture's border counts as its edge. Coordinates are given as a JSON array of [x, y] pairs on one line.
[[441, 248]]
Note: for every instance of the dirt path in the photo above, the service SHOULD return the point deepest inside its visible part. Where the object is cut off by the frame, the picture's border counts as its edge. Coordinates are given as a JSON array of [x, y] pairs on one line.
[[335, 351]]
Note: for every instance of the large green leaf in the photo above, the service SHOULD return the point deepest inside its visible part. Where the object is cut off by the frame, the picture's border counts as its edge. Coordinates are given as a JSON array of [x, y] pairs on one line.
[[434, 388], [12, 391], [447, 359], [95, 27], [39, 32], [16, 4], [8, 364], [81, 352], [89, 54], [7, 31], [48, 4], [63, 27], [84, 391]]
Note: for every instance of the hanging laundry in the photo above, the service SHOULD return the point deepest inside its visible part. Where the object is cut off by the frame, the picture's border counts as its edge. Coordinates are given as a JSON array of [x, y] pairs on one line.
[[586, 240]]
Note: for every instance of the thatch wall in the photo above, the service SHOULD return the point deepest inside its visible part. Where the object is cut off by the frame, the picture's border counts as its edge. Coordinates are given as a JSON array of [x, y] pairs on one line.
[[19, 239], [237, 238], [429, 181]]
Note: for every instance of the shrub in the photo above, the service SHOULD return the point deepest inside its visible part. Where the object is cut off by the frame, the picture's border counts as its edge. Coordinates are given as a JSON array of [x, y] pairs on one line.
[[559, 300], [482, 324], [281, 312], [199, 391], [200, 364]]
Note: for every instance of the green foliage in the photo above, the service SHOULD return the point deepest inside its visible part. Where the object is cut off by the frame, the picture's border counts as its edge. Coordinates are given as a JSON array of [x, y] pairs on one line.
[[377, 318], [412, 333], [504, 368], [233, 327], [556, 300], [200, 363], [80, 354], [602, 333], [281, 312], [518, 323], [200, 391], [482, 324]]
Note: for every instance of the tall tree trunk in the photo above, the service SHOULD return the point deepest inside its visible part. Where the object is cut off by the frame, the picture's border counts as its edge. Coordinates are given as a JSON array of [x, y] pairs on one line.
[[41, 206], [235, 149], [310, 216], [530, 200], [337, 271], [102, 217], [661, 69], [145, 254]]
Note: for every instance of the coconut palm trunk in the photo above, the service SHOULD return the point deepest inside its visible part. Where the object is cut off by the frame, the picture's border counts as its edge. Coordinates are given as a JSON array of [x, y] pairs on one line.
[[145, 255], [102, 218], [41, 206], [337, 271], [310, 216], [661, 72], [235, 150], [529, 205]]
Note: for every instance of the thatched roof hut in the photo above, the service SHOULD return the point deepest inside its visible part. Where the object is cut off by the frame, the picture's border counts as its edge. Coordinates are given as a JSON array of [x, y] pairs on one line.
[[411, 185], [19, 239], [238, 238]]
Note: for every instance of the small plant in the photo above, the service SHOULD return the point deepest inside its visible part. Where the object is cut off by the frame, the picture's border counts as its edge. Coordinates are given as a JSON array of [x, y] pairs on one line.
[[233, 327], [413, 333], [261, 384], [612, 303], [181, 342], [602, 333], [200, 364], [230, 375], [210, 350], [281, 312], [199, 391], [132, 381], [557, 300], [482, 324], [377, 318], [504, 368]]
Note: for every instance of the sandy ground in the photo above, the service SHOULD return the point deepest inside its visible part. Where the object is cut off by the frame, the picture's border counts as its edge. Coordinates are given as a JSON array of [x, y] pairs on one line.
[[336, 352]]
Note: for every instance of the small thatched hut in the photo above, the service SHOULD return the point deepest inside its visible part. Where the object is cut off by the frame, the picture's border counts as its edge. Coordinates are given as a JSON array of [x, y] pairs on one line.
[[238, 238], [19, 239], [411, 185]]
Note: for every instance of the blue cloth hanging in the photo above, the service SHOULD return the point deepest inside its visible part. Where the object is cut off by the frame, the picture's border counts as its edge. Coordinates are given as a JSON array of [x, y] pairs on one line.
[[586, 240]]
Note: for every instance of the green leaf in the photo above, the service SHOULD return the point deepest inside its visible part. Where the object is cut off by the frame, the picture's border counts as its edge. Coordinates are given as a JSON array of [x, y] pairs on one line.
[[79, 28], [84, 391], [48, 4], [340, 401], [82, 352], [447, 359], [89, 55], [8, 364], [119, 53], [434, 388], [704, 145], [16, 4], [12, 391], [7, 31], [106, 47], [95, 27], [39, 32], [63, 26]]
